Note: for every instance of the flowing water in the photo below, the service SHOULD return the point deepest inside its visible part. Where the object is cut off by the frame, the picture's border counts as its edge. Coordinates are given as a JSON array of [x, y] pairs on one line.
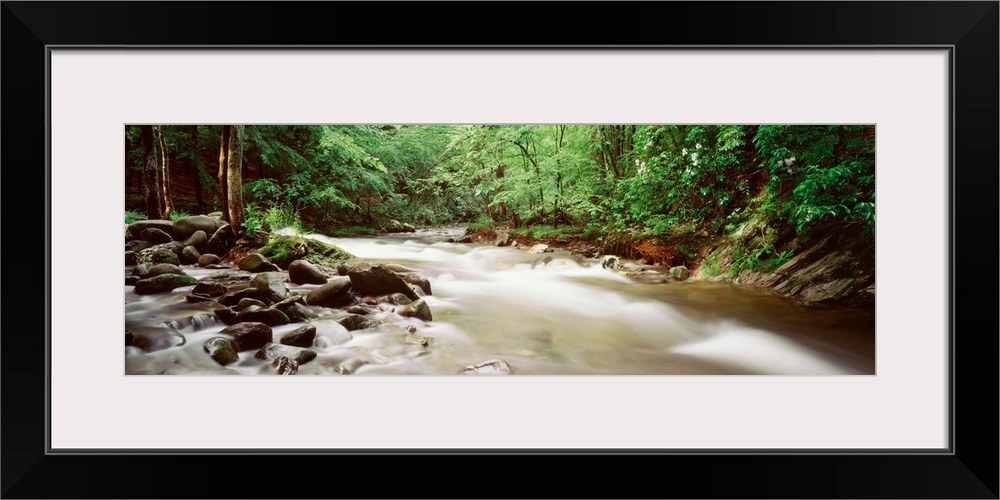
[[544, 314]]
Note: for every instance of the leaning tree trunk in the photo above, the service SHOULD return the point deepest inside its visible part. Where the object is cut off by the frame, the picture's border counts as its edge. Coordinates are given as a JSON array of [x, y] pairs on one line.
[[149, 185], [234, 177], [223, 167], [168, 203]]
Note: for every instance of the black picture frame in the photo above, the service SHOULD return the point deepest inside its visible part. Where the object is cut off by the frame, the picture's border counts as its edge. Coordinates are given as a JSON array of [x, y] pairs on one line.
[[968, 470]]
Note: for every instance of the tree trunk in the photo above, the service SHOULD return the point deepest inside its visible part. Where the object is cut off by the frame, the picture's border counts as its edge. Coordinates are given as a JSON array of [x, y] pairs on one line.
[[150, 186], [194, 166], [223, 168], [168, 202], [159, 174], [234, 177]]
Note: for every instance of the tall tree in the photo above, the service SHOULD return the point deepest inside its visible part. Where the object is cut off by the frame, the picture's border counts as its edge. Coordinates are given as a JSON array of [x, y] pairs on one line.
[[234, 177], [168, 202], [150, 186], [223, 169]]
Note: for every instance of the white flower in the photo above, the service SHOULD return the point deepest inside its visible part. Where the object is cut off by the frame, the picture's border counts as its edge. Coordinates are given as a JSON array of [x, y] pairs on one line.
[[684, 152], [697, 146], [694, 157], [637, 162], [643, 165]]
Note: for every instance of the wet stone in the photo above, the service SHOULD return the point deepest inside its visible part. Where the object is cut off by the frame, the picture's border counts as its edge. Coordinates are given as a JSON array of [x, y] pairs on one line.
[[247, 336], [210, 289], [163, 283], [302, 336], [412, 338], [234, 298], [336, 293], [357, 322], [221, 350], [247, 302], [194, 298], [416, 309], [267, 316], [272, 351], [491, 367]]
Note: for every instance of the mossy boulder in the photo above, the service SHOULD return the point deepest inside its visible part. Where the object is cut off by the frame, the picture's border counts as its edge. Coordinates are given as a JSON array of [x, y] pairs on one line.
[[221, 350], [159, 254], [283, 250], [163, 283]]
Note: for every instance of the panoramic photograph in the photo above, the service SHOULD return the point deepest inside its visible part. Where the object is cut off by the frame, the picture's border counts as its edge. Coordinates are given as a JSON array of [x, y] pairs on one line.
[[499, 249]]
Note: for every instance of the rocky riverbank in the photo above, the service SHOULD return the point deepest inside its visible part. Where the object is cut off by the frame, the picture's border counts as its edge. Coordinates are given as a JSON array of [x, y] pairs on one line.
[[198, 266]]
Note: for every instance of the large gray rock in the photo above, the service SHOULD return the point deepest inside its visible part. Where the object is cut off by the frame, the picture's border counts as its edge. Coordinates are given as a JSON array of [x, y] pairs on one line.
[[416, 309], [133, 230], [271, 286], [147, 271], [256, 263], [190, 255], [491, 367], [221, 350], [376, 279], [357, 322], [186, 226], [303, 272], [163, 283], [336, 293], [302, 336], [248, 336], [272, 351], [197, 240], [155, 235], [159, 254]]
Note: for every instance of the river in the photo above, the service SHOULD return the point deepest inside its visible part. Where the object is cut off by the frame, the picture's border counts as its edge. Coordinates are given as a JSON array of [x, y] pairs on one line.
[[544, 314]]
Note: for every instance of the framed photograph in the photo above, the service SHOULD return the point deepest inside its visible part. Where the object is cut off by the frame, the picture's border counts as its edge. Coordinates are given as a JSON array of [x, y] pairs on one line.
[[885, 398]]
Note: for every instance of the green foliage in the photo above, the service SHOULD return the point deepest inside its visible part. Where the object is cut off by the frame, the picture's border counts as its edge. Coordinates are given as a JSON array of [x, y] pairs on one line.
[[177, 214], [483, 222], [132, 216], [820, 174]]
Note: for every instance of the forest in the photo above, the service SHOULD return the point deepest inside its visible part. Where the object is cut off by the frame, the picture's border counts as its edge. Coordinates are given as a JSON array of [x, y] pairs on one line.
[[658, 192]]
